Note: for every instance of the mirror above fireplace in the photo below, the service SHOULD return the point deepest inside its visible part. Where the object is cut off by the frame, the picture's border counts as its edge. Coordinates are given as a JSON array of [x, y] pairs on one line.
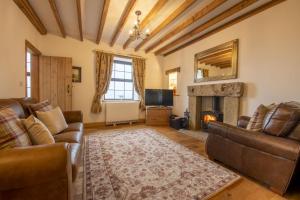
[[217, 63]]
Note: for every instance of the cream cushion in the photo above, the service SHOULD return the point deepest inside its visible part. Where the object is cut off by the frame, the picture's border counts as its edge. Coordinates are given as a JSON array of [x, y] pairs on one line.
[[54, 120], [38, 132]]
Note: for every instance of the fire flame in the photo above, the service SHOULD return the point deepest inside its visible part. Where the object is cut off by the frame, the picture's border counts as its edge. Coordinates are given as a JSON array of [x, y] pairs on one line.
[[208, 118]]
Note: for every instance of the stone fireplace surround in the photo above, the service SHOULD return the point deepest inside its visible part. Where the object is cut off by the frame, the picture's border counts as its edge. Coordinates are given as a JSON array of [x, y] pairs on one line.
[[199, 97]]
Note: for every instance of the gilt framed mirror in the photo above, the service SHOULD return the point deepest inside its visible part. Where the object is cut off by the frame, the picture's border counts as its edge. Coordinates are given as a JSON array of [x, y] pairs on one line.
[[217, 63]]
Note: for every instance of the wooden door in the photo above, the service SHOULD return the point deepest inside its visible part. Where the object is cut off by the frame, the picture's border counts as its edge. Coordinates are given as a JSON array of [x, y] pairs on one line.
[[55, 78], [34, 76]]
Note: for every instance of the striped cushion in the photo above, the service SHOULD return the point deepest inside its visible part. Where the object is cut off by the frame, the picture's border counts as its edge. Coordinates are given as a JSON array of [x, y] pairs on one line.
[[12, 132], [41, 106], [257, 120]]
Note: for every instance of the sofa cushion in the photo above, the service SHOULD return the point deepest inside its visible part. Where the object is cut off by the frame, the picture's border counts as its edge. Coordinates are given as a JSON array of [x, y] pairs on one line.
[[14, 105], [75, 158], [70, 137], [282, 121], [53, 119], [257, 119], [41, 106], [77, 126], [37, 131], [12, 132]]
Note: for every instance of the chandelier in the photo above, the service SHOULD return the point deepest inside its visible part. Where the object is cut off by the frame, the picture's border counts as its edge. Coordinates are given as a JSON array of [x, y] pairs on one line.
[[136, 32]]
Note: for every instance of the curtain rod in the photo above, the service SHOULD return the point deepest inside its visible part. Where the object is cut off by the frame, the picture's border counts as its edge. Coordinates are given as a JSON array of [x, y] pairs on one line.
[[120, 55]]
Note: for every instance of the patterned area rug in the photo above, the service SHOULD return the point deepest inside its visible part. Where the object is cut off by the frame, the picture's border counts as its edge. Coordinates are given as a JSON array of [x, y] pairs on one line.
[[142, 164]]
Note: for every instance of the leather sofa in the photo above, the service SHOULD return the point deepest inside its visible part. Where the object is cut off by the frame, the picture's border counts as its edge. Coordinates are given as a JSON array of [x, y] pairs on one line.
[[42, 171], [271, 160]]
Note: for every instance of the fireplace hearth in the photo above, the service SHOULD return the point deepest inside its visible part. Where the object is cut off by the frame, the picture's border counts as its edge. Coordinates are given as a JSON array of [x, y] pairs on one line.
[[214, 115]]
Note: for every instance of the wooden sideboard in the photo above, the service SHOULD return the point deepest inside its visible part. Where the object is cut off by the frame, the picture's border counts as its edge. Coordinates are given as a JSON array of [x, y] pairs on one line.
[[158, 116]]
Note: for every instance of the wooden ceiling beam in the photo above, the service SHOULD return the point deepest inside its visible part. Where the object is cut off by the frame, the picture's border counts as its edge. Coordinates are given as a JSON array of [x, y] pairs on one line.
[[122, 21], [152, 14], [197, 16], [57, 17], [227, 13], [227, 25], [102, 19], [27, 9], [183, 7], [78, 5]]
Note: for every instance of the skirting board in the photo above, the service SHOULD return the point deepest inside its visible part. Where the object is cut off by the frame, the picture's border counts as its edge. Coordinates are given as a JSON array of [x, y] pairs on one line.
[[103, 124]]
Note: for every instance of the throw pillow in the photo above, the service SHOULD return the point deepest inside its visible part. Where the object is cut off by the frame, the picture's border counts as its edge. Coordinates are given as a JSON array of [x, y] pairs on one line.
[[38, 132], [257, 120], [282, 121], [41, 106], [12, 132], [54, 120]]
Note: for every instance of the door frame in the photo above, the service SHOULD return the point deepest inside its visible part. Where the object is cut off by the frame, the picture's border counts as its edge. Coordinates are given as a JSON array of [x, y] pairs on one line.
[[34, 51]]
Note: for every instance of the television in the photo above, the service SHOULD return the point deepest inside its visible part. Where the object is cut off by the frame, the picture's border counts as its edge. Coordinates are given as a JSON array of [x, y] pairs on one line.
[[158, 97]]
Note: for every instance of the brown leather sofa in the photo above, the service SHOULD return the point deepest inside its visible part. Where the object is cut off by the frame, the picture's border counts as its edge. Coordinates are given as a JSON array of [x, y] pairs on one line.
[[42, 171], [271, 160]]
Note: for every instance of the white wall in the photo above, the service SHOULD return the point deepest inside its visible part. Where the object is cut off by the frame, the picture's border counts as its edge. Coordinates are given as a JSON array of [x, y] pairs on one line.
[[269, 58], [15, 29], [82, 55]]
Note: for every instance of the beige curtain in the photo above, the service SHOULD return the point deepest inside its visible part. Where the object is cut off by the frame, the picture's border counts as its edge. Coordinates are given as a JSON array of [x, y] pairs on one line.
[[139, 66], [104, 63]]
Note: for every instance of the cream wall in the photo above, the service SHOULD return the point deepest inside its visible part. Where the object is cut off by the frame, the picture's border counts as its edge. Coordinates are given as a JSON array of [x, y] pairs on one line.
[[82, 55], [269, 58], [15, 28]]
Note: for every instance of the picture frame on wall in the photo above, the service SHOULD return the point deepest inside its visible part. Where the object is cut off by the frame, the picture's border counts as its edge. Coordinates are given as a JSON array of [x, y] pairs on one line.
[[76, 74]]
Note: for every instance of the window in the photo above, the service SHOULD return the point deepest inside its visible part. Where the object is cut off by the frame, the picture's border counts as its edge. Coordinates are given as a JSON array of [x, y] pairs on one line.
[[173, 81], [28, 74], [121, 85]]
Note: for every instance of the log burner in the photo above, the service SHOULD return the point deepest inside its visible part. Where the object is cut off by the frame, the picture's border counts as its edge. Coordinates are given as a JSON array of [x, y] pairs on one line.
[[214, 115]]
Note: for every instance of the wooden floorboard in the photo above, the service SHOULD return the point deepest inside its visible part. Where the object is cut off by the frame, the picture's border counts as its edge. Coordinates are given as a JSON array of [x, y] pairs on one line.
[[245, 189]]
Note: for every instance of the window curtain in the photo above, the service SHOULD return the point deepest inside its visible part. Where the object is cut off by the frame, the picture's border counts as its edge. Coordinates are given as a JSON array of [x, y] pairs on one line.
[[139, 66], [104, 62]]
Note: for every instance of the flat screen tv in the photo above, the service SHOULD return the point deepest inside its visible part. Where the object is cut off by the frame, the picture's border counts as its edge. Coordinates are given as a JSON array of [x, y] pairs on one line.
[[158, 97]]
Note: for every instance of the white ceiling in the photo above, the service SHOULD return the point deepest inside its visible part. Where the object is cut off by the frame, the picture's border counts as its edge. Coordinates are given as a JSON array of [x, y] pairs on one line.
[[91, 10]]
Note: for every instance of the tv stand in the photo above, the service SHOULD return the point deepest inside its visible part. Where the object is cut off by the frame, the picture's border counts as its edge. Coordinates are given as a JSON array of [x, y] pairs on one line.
[[158, 115]]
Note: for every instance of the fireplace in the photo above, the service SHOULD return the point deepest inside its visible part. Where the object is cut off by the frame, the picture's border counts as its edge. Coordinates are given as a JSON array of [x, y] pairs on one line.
[[215, 114]]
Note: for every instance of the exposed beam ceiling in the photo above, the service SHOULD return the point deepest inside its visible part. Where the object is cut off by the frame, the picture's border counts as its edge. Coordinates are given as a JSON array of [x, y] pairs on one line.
[[174, 24], [102, 19], [197, 16], [231, 11], [27, 9], [226, 25], [57, 17], [183, 7], [78, 5], [154, 11], [122, 21]]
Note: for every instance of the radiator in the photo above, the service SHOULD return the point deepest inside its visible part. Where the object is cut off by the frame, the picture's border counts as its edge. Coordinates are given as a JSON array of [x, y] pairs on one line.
[[121, 112]]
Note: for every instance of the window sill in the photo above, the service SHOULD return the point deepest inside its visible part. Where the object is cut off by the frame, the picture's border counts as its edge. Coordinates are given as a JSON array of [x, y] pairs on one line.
[[120, 101]]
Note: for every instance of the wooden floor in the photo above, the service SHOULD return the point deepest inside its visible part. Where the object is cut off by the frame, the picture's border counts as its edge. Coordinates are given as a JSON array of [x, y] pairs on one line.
[[245, 189]]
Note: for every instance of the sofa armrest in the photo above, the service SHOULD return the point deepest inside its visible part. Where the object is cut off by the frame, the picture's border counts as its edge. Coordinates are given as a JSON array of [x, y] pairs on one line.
[[243, 121], [279, 146], [73, 116], [35, 165]]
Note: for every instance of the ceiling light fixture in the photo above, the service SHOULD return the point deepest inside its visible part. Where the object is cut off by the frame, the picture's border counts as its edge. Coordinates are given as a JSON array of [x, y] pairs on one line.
[[136, 32]]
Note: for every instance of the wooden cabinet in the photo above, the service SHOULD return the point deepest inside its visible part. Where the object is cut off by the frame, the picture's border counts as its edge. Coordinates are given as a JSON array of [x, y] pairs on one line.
[[158, 115], [55, 81]]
